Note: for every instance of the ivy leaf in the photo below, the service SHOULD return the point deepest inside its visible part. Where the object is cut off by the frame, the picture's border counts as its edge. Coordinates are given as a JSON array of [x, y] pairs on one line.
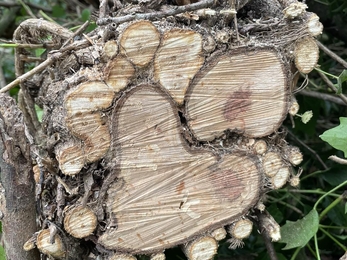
[[337, 136], [39, 52], [58, 11], [39, 113], [298, 233], [85, 15], [342, 78]]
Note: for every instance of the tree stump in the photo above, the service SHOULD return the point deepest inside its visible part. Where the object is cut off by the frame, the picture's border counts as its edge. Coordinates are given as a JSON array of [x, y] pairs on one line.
[[168, 126]]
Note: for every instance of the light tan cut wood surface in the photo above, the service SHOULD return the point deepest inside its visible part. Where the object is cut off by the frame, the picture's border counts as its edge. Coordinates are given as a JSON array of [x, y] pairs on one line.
[[161, 180], [245, 93]]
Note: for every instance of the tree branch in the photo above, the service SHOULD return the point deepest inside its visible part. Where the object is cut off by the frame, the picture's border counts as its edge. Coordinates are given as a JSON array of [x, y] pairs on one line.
[[338, 159], [323, 96], [157, 15], [308, 148], [332, 54]]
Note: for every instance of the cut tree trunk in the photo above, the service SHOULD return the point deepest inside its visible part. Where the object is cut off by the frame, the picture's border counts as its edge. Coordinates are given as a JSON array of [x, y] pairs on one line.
[[166, 131]]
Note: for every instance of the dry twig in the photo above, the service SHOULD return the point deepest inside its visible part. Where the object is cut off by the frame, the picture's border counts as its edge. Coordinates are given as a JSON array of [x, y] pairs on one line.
[[308, 148], [332, 54], [52, 57], [157, 15], [338, 159], [323, 96]]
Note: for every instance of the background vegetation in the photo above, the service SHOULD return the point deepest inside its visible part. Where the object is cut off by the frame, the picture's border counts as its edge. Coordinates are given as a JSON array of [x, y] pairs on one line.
[[318, 205]]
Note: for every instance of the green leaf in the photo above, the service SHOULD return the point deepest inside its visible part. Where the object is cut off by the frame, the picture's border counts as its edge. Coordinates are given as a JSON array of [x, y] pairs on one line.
[[39, 52], [58, 11], [39, 112], [336, 175], [346, 208], [337, 136], [337, 213], [275, 212], [342, 78], [2, 253], [91, 27], [297, 234], [85, 15]]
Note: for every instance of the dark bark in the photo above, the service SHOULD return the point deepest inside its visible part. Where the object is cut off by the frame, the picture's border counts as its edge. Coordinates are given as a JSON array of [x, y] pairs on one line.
[[19, 211]]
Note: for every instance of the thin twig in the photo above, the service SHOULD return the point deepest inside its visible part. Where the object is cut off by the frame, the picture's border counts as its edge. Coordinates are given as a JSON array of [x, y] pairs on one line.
[[331, 86], [323, 96], [52, 57], [157, 15], [11, 44], [332, 54], [79, 31], [337, 159], [308, 148], [32, 72], [102, 9]]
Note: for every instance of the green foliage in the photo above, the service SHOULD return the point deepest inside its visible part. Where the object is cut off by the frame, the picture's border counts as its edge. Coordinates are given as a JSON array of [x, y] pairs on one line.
[[334, 176], [337, 136], [85, 15], [342, 78], [298, 233], [39, 112], [58, 11], [2, 251]]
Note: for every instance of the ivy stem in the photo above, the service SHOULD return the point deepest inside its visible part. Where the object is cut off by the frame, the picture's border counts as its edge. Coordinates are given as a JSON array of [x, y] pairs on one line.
[[325, 211], [273, 200], [311, 250], [295, 253], [331, 227], [333, 239], [318, 191], [47, 17], [328, 193], [331, 205], [326, 73], [316, 246], [312, 174]]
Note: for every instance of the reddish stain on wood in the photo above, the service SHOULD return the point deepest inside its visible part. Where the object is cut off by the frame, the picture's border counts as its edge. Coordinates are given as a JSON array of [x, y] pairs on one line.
[[228, 185], [180, 187], [139, 236], [237, 104]]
